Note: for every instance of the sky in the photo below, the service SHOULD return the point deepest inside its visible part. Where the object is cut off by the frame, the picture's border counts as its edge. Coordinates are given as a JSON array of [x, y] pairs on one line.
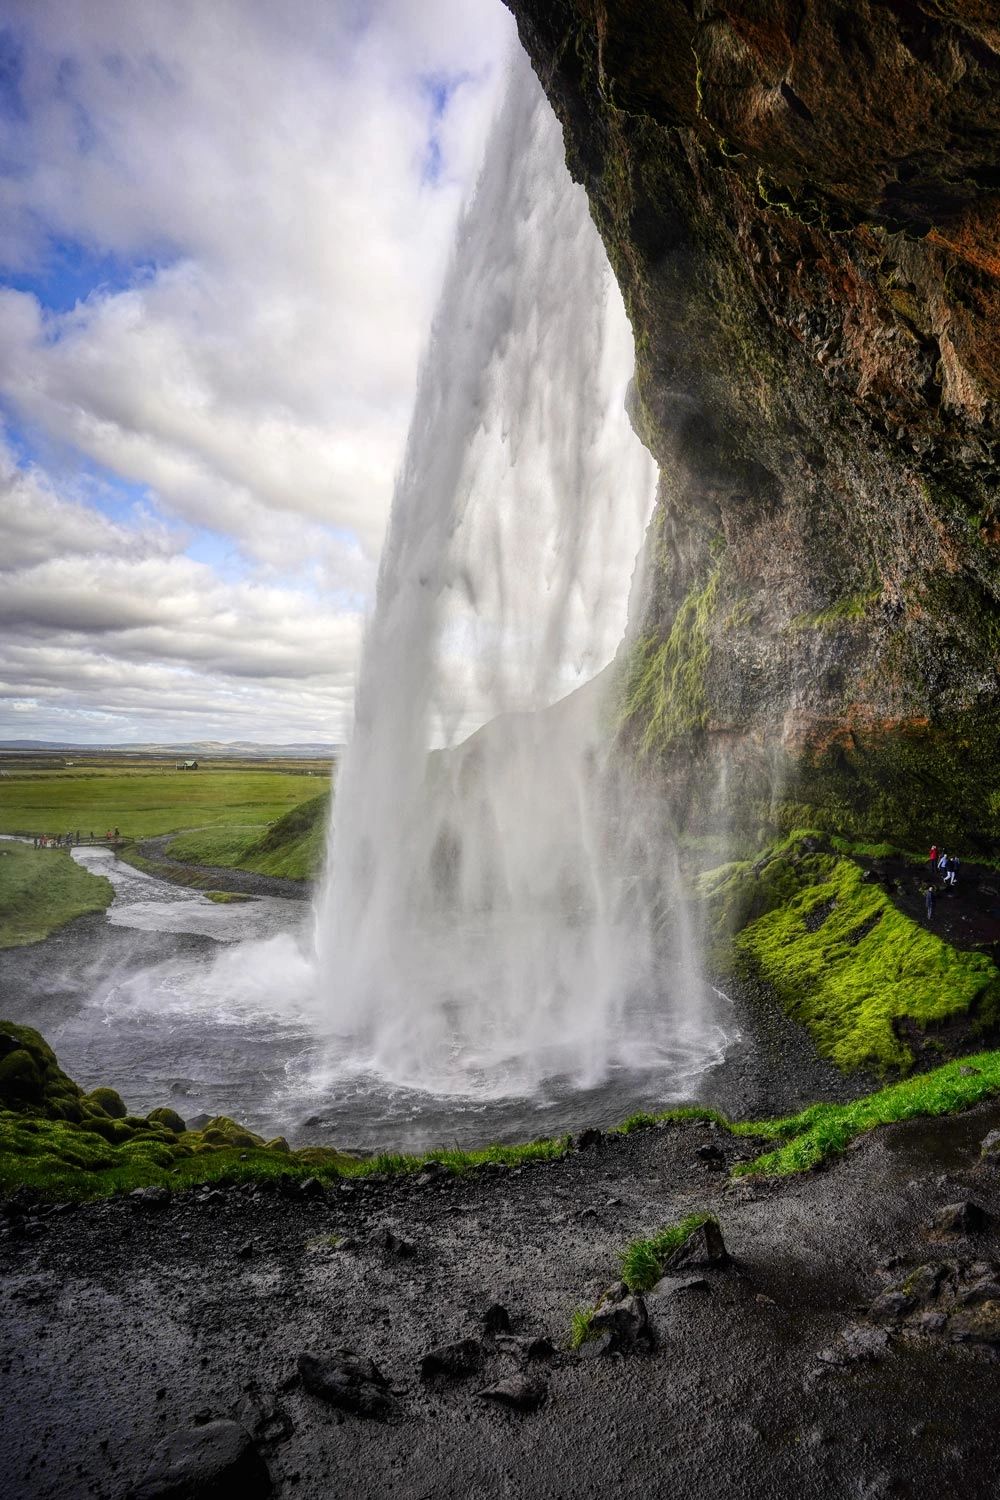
[[223, 228]]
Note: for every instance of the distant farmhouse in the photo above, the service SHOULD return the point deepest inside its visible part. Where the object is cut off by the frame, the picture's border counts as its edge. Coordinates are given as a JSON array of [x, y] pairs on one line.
[[187, 765]]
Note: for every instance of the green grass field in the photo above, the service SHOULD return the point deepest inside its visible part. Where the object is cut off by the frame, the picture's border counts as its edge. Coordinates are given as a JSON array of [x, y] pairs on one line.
[[143, 800], [40, 890], [292, 846]]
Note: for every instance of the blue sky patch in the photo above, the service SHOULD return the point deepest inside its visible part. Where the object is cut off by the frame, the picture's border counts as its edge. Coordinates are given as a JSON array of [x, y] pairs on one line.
[[70, 272]]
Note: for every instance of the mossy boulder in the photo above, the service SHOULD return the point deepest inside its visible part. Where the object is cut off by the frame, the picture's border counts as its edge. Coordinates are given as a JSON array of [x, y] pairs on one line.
[[31, 1079], [168, 1118], [221, 1131], [109, 1102], [21, 1082]]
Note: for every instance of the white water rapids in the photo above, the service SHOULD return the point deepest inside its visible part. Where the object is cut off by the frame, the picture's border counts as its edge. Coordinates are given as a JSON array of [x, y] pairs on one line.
[[499, 944]]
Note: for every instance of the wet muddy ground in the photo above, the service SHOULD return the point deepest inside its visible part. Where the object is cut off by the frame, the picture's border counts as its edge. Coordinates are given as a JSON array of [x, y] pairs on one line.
[[124, 1321]]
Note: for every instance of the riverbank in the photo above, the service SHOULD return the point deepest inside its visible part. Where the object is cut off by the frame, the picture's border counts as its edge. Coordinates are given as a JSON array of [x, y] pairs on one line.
[[771, 1376], [41, 890]]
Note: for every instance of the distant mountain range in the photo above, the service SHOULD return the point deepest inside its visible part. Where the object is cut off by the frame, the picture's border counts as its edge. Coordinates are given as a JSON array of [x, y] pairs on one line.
[[304, 749]]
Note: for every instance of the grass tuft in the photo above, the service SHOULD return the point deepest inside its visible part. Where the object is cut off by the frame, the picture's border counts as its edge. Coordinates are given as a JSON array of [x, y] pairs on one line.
[[822, 1131], [581, 1326], [642, 1261]]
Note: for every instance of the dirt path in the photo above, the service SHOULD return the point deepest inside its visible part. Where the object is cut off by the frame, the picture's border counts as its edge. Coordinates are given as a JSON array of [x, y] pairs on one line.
[[121, 1322], [966, 915], [220, 878]]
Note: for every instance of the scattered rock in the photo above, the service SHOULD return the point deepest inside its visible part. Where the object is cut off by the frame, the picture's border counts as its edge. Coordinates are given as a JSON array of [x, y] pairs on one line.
[[396, 1245], [856, 1344], [278, 1144], [960, 1218], [311, 1188], [588, 1138], [519, 1392], [704, 1246], [598, 1347], [245, 1252], [453, 1361], [710, 1153], [991, 1144], [210, 1462], [150, 1197], [347, 1380], [891, 1306], [496, 1319], [627, 1321]]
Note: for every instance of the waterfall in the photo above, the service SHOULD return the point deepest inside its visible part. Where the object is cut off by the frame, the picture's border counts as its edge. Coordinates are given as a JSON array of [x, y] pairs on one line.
[[493, 912]]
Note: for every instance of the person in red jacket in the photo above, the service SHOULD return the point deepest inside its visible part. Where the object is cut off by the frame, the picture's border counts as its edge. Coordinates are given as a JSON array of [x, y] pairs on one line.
[[933, 858]]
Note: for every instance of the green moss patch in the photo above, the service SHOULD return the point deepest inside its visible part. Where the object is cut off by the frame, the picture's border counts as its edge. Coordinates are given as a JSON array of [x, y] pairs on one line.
[[43, 889], [839, 956], [663, 697]]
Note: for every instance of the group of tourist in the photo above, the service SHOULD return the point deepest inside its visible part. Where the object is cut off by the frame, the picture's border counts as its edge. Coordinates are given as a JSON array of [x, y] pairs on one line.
[[944, 865], [67, 840]]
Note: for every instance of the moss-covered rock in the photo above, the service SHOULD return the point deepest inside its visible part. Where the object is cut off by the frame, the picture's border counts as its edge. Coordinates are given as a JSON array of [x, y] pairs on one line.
[[21, 1082], [168, 1118], [31, 1078], [109, 1101]]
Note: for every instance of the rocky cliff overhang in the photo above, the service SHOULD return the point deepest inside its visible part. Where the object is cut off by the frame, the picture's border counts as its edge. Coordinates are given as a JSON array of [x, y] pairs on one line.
[[801, 204]]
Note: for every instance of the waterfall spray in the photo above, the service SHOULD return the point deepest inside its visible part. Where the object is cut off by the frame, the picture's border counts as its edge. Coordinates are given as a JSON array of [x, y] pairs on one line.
[[492, 912]]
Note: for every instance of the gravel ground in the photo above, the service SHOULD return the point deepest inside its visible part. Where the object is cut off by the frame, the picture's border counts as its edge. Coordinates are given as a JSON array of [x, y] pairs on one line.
[[124, 1321]]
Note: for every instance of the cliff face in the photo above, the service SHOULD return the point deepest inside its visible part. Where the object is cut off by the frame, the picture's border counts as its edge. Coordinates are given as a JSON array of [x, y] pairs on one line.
[[801, 204]]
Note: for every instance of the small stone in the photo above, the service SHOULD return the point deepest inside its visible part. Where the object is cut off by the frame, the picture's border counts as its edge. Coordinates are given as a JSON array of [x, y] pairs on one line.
[[856, 1344], [588, 1138], [150, 1197], [452, 1361], [891, 1306], [599, 1347], [396, 1245], [496, 1319], [627, 1321], [704, 1246], [991, 1144], [347, 1380], [518, 1392], [968, 1072], [541, 1348], [710, 1153], [960, 1218], [669, 1286], [206, 1462], [311, 1188], [245, 1252]]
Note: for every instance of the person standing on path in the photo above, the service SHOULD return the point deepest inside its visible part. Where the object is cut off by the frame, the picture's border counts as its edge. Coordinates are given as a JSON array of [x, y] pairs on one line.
[[933, 858], [929, 902]]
